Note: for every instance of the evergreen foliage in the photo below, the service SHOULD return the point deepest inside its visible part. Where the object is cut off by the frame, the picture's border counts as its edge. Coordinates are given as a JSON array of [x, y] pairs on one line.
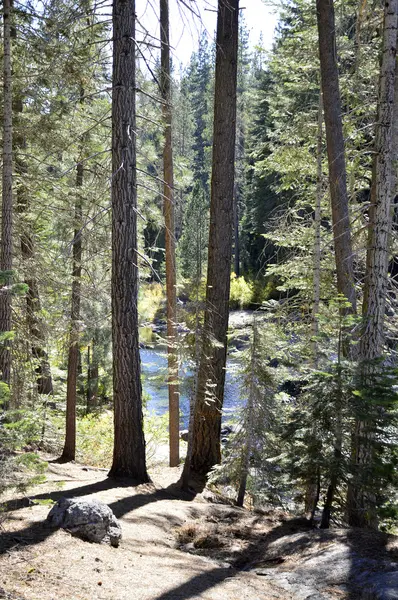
[[302, 395]]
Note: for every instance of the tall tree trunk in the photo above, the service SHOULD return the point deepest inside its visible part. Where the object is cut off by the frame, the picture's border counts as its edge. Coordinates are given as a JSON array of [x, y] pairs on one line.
[[205, 452], [361, 505], [335, 150], [168, 209], [34, 321], [129, 443], [199, 266], [317, 238], [6, 224], [311, 492], [338, 195], [69, 452]]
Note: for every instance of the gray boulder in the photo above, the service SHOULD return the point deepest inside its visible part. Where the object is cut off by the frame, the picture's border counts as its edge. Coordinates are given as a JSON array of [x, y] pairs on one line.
[[88, 519]]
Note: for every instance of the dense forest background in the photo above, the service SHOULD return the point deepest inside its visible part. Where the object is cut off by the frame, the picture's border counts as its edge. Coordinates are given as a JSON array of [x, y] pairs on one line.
[[317, 422]]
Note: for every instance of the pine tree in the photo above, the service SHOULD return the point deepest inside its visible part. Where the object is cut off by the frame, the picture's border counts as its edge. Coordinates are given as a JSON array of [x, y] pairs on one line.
[[336, 152], [7, 203], [129, 444], [205, 450], [361, 502], [169, 203]]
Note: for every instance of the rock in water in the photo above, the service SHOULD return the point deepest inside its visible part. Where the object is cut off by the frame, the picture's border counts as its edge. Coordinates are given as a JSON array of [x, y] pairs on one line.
[[88, 519]]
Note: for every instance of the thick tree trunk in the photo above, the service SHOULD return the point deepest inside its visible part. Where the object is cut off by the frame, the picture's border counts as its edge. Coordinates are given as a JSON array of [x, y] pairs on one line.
[[69, 452], [129, 444], [169, 220], [211, 376], [361, 504], [335, 150], [6, 224]]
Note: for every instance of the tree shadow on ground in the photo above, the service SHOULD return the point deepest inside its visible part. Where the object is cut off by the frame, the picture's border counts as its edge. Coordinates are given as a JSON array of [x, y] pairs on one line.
[[244, 561], [257, 550], [373, 545], [40, 531], [360, 544]]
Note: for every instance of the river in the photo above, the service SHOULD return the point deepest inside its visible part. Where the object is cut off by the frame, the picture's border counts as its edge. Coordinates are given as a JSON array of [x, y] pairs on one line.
[[154, 369]]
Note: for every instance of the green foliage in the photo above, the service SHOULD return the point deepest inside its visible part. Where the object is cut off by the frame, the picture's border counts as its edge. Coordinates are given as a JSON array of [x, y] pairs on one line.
[[30, 461], [150, 301], [256, 438], [241, 293], [21, 471], [22, 427], [95, 437], [4, 389]]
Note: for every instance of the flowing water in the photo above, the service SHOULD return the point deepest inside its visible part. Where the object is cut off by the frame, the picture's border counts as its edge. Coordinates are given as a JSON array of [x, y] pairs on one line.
[[154, 369]]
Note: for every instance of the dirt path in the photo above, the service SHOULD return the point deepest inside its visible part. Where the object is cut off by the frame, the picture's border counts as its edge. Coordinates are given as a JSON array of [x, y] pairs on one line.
[[175, 548], [38, 563]]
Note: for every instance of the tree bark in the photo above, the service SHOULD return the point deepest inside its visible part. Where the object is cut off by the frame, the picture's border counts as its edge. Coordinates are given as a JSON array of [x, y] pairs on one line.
[[92, 378], [236, 233], [317, 238], [7, 204], [169, 221], [361, 504], [211, 376], [336, 153], [69, 451], [34, 321], [129, 443], [311, 493]]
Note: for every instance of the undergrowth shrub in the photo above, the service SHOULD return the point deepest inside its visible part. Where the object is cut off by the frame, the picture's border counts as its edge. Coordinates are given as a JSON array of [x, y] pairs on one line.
[[21, 471], [241, 293], [95, 437], [150, 300]]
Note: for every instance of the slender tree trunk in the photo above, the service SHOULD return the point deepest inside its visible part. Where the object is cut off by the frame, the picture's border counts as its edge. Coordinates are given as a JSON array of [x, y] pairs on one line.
[[168, 209], [129, 444], [211, 376], [69, 452], [361, 504], [336, 155], [236, 233], [338, 442], [338, 191], [6, 224], [247, 448], [92, 378], [34, 322], [317, 238], [186, 470], [311, 493]]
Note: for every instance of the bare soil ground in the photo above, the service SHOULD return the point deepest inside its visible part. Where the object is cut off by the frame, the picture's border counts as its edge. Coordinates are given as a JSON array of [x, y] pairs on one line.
[[173, 547]]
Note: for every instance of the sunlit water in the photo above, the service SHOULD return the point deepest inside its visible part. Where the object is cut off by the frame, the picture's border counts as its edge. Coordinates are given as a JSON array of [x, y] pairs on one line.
[[154, 369]]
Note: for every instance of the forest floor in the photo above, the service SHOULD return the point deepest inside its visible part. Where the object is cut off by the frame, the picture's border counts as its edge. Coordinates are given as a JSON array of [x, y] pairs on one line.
[[177, 548]]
